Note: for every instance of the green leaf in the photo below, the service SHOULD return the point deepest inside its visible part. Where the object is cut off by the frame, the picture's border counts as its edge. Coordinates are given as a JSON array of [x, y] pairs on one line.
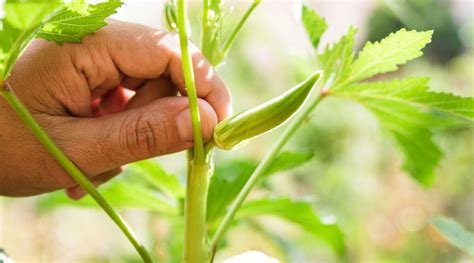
[[141, 186], [314, 25], [120, 194], [385, 56], [455, 233], [20, 24], [297, 212], [289, 160], [77, 20], [408, 111], [337, 58], [152, 172], [229, 179]]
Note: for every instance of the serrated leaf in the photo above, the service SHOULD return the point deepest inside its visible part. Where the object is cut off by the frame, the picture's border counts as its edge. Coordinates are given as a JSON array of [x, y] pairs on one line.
[[314, 25], [408, 111], [229, 179], [77, 20], [336, 59], [297, 212], [386, 55], [455, 233]]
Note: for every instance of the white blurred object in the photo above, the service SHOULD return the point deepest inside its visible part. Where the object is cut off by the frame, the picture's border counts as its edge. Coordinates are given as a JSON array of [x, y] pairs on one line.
[[251, 257]]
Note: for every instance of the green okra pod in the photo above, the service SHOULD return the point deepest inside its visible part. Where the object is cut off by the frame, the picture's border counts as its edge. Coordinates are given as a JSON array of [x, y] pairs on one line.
[[252, 122]]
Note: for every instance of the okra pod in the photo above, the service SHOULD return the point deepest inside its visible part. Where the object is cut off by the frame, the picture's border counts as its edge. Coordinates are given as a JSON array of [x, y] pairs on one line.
[[250, 123]]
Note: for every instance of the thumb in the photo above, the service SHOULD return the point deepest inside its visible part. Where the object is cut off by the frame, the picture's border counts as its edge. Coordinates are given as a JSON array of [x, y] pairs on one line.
[[161, 127]]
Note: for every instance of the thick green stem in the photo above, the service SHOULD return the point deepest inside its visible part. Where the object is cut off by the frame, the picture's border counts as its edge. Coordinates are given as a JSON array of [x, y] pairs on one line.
[[196, 244], [72, 169], [196, 247], [262, 167], [238, 27], [190, 84]]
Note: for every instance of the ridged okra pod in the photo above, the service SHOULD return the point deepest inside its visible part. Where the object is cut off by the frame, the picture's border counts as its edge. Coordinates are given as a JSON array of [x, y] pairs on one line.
[[252, 122]]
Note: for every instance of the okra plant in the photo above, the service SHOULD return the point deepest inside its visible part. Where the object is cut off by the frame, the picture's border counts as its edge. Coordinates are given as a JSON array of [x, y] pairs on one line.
[[213, 200]]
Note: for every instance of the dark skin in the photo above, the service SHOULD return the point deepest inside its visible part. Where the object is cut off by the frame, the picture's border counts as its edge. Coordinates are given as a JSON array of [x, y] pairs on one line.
[[106, 102]]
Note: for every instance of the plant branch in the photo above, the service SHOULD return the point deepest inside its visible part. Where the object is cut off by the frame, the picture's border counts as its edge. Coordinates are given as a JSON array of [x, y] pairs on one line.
[[263, 166], [190, 83], [72, 169], [196, 247], [238, 27]]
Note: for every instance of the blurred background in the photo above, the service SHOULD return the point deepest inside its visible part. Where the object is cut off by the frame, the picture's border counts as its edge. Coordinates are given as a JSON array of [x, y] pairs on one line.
[[354, 178]]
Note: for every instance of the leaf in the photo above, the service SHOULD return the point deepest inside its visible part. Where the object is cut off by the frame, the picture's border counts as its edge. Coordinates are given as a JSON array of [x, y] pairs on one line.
[[289, 160], [141, 186], [297, 212], [229, 179], [77, 20], [21, 22], [225, 185], [408, 110], [314, 25], [120, 194], [385, 56], [159, 178], [337, 59], [455, 233]]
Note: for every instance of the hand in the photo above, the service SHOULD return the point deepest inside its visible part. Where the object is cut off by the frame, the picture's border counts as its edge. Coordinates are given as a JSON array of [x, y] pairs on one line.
[[106, 102]]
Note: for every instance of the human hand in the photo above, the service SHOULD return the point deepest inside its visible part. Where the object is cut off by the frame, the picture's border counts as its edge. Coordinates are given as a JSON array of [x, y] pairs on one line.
[[106, 102]]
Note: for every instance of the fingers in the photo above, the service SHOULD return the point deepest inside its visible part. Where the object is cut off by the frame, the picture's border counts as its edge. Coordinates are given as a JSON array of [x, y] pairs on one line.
[[161, 127], [149, 54], [150, 91]]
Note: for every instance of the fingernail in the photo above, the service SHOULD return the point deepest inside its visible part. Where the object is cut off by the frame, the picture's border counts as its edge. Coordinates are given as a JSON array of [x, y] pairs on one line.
[[185, 128], [208, 121]]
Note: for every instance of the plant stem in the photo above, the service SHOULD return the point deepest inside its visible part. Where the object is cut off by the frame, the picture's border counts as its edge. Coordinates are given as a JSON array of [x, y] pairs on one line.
[[262, 167], [190, 84], [238, 27], [196, 247], [72, 169]]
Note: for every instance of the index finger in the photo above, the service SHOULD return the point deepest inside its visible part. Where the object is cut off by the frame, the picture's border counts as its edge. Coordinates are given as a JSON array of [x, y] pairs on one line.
[[145, 53]]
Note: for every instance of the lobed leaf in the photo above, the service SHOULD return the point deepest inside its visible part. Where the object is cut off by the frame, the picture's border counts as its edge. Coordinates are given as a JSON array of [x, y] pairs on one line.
[[408, 111], [337, 59], [77, 20], [385, 56], [300, 213], [314, 25], [229, 179], [455, 233]]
